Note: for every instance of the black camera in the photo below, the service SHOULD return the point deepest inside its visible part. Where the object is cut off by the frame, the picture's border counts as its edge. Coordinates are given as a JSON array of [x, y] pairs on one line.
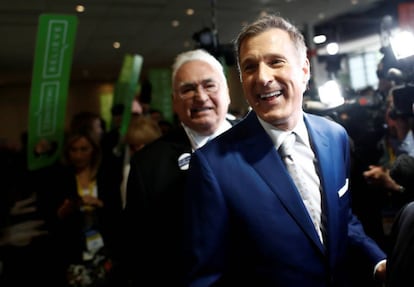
[[403, 98]]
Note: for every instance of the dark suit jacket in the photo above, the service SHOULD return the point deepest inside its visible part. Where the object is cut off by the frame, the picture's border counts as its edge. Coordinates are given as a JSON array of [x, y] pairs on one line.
[[153, 213], [400, 264], [248, 224]]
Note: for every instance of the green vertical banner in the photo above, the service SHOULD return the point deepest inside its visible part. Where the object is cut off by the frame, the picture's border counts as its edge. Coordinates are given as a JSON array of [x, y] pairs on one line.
[[161, 92], [126, 87], [51, 72]]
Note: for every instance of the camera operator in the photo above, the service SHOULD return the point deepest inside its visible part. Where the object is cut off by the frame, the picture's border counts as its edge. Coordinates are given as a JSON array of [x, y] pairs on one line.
[[390, 194], [400, 263], [399, 139], [402, 170]]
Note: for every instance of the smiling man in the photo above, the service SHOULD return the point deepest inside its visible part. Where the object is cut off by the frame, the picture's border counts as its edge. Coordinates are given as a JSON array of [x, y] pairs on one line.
[[153, 212], [260, 213]]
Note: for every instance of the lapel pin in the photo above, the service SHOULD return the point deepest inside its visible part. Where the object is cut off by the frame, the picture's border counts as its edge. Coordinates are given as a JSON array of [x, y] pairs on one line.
[[184, 161]]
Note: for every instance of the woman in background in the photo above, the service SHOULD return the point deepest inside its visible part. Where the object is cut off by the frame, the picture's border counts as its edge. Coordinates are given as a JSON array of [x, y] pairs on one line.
[[88, 209]]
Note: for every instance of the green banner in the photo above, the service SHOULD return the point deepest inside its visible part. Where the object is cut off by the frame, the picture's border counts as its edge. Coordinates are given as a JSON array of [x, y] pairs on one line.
[[161, 92], [49, 89], [126, 87]]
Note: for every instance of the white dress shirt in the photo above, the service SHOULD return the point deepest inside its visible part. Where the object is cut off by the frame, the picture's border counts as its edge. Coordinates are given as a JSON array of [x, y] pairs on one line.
[[304, 155]]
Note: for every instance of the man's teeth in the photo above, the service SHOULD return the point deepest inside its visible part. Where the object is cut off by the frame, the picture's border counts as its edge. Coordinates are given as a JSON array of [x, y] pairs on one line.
[[273, 94], [199, 109]]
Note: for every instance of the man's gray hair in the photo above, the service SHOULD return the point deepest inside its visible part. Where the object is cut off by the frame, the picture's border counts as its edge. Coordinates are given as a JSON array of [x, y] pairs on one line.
[[198, 55], [268, 22]]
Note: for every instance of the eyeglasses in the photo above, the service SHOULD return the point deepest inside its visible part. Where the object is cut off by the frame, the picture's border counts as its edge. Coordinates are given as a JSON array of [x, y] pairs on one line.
[[188, 90]]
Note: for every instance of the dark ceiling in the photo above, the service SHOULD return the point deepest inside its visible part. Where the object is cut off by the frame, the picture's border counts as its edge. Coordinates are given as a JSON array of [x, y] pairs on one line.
[[144, 27]]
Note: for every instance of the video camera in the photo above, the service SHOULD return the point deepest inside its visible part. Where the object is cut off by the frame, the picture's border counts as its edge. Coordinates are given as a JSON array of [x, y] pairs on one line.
[[403, 98], [398, 66]]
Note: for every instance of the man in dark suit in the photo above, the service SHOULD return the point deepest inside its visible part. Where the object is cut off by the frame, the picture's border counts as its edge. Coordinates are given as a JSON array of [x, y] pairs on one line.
[[153, 212], [400, 265], [248, 224]]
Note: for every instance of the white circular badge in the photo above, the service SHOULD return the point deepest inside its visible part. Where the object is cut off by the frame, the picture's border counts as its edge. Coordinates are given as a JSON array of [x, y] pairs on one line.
[[184, 161]]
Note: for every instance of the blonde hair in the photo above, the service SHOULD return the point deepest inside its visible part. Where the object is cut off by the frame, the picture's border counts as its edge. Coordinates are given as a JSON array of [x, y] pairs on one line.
[[142, 130], [74, 136]]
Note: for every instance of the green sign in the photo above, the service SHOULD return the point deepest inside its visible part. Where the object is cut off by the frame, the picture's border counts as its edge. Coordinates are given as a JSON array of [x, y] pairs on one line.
[[51, 73], [162, 92], [126, 86]]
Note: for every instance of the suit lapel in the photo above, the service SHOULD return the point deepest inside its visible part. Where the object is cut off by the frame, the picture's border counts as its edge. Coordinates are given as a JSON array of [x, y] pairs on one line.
[[259, 151], [327, 174]]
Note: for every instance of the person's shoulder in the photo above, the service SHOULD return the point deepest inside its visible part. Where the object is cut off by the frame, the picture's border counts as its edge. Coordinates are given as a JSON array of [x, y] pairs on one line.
[[324, 121], [172, 142], [408, 209]]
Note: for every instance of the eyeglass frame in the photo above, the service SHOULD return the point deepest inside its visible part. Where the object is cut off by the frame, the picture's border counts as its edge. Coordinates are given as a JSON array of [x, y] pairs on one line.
[[188, 90]]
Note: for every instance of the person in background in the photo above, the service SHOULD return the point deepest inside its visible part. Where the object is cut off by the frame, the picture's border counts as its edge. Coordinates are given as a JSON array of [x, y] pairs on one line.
[[112, 137], [141, 131], [400, 263], [247, 222], [398, 140], [112, 147], [90, 122], [88, 207], [115, 151], [153, 212], [25, 237], [145, 95]]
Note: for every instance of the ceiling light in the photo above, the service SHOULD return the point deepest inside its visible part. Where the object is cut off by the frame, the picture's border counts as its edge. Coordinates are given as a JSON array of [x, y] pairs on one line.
[[332, 48], [319, 39], [402, 44], [175, 23], [116, 45], [80, 8], [189, 12], [330, 94]]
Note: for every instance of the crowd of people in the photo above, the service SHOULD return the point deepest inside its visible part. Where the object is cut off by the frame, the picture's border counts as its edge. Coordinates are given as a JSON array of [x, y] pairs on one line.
[[211, 200]]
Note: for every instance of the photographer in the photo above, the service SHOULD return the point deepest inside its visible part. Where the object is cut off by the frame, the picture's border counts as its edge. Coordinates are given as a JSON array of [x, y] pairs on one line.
[[400, 264], [384, 177], [398, 141], [402, 170]]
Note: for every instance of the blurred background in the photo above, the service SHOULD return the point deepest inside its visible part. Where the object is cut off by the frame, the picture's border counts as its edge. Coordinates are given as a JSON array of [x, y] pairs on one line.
[[103, 64], [347, 39]]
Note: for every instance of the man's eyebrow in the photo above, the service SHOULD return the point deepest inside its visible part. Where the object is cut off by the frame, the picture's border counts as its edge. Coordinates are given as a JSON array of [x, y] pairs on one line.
[[181, 84]]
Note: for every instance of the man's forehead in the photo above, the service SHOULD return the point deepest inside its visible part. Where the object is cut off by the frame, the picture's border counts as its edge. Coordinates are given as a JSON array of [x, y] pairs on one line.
[[195, 75]]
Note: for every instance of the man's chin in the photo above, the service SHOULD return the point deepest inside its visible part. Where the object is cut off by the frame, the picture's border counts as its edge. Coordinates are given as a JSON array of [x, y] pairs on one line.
[[204, 127]]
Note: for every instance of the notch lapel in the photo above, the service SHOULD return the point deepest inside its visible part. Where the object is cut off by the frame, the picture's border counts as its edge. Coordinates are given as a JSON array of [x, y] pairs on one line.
[[258, 150]]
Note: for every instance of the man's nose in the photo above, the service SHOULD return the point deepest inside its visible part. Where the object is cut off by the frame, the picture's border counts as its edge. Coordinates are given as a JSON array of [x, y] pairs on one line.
[[200, 93], [264, 74]]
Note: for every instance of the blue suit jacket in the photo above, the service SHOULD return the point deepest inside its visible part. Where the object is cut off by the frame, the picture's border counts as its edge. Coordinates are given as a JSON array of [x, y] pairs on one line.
[[247, 223]]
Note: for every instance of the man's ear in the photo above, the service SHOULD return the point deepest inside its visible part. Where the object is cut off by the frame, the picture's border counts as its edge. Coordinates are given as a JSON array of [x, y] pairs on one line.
[[306, 71]]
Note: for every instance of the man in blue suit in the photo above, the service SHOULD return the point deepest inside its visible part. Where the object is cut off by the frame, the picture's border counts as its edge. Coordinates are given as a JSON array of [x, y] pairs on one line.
[[247, 224]]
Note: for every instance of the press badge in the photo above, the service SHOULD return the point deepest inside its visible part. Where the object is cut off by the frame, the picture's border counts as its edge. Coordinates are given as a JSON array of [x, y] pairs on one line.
[[94, 241]]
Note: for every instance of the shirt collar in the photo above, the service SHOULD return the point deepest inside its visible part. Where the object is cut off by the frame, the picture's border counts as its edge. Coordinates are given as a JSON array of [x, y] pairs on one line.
[[278, 136], [197, 140]]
